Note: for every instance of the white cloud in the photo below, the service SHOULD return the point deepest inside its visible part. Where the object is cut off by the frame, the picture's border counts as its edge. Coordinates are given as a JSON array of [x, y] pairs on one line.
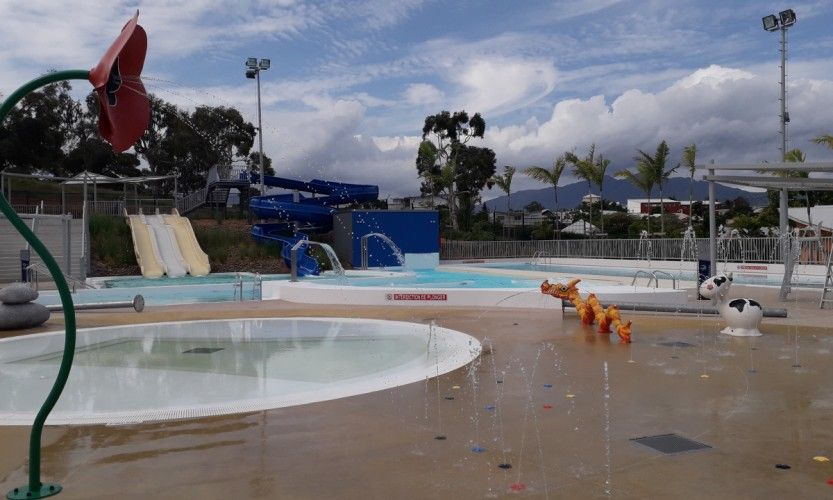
[[730, 114], [423, 93], [498, 85]]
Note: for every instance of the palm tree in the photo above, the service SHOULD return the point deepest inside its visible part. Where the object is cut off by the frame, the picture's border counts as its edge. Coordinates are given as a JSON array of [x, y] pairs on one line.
[[552, 177], [689, 161], [504, 182], [585, 168], [644, 180], [593, 171], [825, 139], [601, 167], [656, 166]]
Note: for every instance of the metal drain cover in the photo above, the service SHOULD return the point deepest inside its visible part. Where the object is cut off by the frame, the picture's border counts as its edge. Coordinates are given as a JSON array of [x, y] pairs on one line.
[[202, 350], [675, 343], [670, 444]]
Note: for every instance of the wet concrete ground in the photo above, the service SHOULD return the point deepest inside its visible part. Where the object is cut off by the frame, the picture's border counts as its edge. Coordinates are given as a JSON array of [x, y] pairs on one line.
[[559, 403]]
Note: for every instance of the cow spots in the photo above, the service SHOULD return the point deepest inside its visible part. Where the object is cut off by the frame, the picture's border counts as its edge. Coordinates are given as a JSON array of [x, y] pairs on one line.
[[739, 304]]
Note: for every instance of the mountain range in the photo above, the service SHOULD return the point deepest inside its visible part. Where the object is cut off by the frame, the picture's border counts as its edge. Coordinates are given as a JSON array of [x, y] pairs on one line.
[[618, 190]]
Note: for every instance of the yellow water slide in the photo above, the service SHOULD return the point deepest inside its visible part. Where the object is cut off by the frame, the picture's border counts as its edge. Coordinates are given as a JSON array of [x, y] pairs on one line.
[[189, 247], [143, 245]]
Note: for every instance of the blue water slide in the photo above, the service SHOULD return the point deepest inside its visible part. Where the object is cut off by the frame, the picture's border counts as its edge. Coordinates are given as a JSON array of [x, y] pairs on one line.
[[276, 234], [308, 210]]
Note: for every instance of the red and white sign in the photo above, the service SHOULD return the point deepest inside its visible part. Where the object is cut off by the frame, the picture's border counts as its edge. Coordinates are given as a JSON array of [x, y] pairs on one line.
[[747, 267], [416, 296]]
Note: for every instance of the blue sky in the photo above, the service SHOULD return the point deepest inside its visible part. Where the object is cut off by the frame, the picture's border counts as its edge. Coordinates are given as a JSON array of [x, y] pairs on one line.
[[351, 82]]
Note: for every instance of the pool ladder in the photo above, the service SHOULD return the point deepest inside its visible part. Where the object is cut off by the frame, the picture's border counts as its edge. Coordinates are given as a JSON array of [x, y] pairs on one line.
[[653, 277], [539, 256], [257, 286]]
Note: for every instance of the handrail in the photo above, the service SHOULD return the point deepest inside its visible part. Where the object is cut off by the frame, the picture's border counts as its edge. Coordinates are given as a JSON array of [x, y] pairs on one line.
[[664, 273], [642, 272], [34, 269], [238, 285], [257, 285]]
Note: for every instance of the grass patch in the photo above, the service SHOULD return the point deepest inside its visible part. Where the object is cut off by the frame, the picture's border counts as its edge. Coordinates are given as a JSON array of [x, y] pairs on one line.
[[110, 241]]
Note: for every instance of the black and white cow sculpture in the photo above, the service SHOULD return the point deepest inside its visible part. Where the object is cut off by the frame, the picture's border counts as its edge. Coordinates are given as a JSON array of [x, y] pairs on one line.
[[743, 316]]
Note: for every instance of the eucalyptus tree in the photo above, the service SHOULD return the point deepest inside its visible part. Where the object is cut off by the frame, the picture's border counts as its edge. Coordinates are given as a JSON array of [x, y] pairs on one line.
[[449, 164], [504, 182], [550, 176], [643, 179], [656, 166]]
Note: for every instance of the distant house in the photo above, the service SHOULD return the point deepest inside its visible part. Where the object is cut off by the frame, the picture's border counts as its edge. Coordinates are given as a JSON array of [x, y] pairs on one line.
[[415, 203], [819, 214], [582, 227], [520, 218], [643, 206], [590, 199]]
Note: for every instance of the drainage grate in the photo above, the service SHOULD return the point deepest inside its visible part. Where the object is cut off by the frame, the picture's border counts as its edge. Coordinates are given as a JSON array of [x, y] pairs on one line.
[[675, 343], [669, 444], [202, 350]]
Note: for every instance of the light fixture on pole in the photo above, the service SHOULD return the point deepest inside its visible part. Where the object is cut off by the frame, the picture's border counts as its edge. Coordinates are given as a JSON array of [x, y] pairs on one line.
[[782, 22], [253, 69]]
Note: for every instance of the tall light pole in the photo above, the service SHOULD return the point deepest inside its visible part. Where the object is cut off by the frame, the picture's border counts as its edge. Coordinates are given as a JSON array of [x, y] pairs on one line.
[[253, 69], [782, 22]]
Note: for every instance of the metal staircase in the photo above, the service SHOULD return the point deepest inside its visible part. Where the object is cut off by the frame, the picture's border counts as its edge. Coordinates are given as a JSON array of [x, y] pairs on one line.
[[219, 184]]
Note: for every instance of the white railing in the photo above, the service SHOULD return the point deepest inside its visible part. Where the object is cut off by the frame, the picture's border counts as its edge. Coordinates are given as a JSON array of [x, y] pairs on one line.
[[753, 250], [191, 201]]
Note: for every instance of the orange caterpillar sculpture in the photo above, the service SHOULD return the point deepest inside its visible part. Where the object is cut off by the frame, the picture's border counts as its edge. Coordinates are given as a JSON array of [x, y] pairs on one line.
[[590, 309]]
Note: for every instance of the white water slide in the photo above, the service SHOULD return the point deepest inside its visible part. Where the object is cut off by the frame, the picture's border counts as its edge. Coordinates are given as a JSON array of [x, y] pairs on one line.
[[166, 244]]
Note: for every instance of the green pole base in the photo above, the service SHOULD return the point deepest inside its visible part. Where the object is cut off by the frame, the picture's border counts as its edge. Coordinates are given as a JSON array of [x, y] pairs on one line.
[[24, 493]]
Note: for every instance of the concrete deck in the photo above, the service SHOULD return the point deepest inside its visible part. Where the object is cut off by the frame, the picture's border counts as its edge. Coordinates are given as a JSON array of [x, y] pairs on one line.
[[746, 398]]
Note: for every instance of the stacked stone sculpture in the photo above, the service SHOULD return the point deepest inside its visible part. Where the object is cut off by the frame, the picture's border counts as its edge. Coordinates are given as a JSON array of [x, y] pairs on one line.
[[17, 310]]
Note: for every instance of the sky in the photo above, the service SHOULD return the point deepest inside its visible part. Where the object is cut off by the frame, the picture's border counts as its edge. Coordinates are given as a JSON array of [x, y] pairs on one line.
[[351, 82]]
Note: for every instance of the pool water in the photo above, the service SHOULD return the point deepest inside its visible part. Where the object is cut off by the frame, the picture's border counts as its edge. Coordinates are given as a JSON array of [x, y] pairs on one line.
[[575, 270], [163, 371], [442, 279], [211, 279], [156, 295]]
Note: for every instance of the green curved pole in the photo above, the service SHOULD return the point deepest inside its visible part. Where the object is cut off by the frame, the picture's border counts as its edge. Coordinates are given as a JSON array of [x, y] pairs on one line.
[[35, 489]]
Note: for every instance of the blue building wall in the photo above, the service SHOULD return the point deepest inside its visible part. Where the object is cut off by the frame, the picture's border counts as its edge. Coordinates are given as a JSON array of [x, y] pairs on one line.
[[413, 231]]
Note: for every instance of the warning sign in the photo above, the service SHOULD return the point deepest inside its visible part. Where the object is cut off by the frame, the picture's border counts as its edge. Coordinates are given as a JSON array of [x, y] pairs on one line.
[[416, 296]]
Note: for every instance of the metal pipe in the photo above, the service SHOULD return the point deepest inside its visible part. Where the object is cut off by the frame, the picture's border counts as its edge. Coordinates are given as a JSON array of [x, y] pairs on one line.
[[680, 308], [138, 305], [363, 245], [260, 136], [293, 264], [712, 227]]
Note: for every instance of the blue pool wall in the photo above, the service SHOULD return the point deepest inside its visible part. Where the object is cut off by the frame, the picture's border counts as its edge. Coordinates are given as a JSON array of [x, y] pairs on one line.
[[413, 231]]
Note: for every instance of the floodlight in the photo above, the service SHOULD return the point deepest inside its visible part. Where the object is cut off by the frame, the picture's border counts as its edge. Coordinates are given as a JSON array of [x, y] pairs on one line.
[[251, 73], [251, 62], [264, 64], [770, 23], [787, 17]]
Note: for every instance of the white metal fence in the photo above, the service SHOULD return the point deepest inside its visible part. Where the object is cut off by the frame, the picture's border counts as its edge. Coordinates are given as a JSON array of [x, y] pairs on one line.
[[764, 250]]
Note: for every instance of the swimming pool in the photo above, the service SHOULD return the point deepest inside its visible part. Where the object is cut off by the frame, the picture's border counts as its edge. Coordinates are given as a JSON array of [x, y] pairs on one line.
[[628, 272], [164, 371], [438, 278], [187, 280]]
